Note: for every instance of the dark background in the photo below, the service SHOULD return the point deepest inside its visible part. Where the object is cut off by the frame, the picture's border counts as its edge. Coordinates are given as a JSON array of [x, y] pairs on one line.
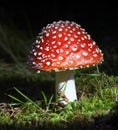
[[99, 18]]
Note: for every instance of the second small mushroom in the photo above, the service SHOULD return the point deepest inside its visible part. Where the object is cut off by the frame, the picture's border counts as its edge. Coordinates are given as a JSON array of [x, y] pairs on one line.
[[64, 46]]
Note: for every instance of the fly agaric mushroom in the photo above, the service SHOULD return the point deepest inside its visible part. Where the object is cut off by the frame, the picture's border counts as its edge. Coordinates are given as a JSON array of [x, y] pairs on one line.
[[64, 46]]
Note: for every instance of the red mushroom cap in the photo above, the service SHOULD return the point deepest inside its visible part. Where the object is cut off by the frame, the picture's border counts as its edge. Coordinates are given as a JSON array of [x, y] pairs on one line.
[[64, 45]]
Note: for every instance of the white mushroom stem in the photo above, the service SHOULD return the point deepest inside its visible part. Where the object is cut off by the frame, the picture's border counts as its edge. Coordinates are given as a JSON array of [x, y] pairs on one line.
[[65, 86]]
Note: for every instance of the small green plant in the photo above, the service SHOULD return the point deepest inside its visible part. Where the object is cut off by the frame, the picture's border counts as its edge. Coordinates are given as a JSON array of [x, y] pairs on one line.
[[47, 102]]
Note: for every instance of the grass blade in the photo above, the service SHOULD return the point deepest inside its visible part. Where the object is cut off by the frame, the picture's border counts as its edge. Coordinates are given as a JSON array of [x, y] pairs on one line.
[[44, 97], [16, 99], [28, 99], [48, 105]]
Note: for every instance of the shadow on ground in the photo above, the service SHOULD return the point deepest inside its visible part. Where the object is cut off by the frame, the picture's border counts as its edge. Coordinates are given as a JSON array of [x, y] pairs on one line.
[[31, 87], [108, 122]]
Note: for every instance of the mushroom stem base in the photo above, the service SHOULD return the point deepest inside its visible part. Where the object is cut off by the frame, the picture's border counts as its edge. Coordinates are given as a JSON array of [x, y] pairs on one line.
[[65, 86]]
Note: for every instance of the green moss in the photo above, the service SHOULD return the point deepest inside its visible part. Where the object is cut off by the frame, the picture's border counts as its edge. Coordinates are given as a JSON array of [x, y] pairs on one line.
[[97, 98]]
